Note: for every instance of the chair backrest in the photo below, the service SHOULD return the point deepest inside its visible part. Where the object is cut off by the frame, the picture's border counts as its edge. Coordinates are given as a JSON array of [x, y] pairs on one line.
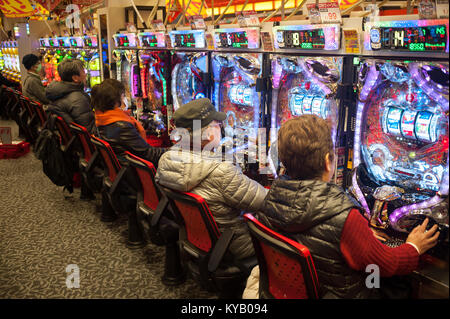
[[39, 110], [109, 157], [146, 172], [63, 129], [287, 269], [84, 137], [200, 228]]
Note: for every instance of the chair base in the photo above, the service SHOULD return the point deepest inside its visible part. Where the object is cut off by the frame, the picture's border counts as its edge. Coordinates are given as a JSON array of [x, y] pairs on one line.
[[136, 244], [174, 281]]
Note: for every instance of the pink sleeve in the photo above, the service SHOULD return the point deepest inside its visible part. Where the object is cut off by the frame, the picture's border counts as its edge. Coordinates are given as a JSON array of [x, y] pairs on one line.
[[360, 248]]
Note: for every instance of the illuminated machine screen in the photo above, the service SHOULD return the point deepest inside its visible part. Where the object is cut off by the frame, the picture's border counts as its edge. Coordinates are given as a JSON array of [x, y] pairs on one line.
[[245, 38], [64, 42], [53, 42], [235, 92], [188, 39], [127, 40], [187, 83], [420, 35], [307, 37], [401, 143], [76, 42], [90, 41], [152, 40], [303, 85]]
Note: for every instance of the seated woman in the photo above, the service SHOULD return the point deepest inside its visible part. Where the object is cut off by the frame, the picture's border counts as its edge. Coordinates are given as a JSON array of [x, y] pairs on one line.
[[118, 128], [304, 205], [223, 186]]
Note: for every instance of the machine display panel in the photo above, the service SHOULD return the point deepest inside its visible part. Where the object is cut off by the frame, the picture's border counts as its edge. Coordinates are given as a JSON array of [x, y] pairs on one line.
[[152, 40], [307, 37], [238, 38], [413, 36], [188, 39]]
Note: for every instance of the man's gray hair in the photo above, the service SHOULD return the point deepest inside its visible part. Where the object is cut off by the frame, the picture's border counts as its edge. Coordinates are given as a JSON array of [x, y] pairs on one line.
[[70, 67]]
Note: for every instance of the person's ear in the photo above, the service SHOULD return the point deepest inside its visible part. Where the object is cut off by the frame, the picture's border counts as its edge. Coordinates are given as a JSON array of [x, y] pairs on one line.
[[328, 163]]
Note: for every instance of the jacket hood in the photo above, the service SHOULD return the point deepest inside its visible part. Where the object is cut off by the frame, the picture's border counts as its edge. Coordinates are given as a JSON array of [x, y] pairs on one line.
[[59, 89], [183, 171], [294, 206]]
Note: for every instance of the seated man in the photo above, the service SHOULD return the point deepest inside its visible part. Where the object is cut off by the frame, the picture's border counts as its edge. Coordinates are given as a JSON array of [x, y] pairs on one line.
[[32, 86], [117, 127], [304, 205], [68, 99], [223, 186]]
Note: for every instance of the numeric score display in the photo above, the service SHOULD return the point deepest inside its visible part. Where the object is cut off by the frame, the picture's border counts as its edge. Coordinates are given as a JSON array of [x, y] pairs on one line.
[[149, 40], [122, 40], [303, 39], [185, 40], [422, 38], [233, 40]]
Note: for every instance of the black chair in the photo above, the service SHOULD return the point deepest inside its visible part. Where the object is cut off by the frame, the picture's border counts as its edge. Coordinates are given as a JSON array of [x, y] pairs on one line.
[[154, 218], [206, 248], [286, 268]]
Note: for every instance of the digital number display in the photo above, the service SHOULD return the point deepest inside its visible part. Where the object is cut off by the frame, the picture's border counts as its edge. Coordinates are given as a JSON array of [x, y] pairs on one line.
[[122, 41], [149, 40], [303, 39], [52, 42], [233, 39], [87, 41], [185, 40], [428, 38], [42, 42]]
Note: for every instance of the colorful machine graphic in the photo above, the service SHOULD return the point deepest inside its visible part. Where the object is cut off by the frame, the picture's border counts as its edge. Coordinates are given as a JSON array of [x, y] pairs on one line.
[[401, 143], [235, 92]]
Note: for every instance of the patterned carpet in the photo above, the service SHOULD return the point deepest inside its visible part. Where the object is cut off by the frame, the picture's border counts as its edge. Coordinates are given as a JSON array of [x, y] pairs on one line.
[[42, 232]]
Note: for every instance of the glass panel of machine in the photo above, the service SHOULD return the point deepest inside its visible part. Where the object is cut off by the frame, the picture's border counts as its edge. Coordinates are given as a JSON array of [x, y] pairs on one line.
[[406, 140]]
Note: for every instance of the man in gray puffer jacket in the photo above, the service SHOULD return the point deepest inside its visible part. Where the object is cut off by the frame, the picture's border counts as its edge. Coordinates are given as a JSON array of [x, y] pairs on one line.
[[223, 186], [67, 97]]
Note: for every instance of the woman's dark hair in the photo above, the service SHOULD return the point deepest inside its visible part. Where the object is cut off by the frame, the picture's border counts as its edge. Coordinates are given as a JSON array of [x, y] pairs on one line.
[[303, 143], [105, 97], [116, 84]]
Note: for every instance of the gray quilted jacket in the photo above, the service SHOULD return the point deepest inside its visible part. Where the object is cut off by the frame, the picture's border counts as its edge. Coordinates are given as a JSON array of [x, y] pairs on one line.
[[223, 186]]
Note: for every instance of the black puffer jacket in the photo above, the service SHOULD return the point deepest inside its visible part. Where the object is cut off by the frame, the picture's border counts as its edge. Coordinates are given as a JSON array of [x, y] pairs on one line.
[[68, 100], [313, 213], [123, 136]]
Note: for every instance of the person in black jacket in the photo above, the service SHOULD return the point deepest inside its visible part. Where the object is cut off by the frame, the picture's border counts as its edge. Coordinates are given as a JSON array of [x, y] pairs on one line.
[[118, 128], [68, 99]]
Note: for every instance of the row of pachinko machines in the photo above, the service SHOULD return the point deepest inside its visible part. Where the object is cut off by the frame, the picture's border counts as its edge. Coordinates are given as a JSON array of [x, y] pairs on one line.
[[388, 106], [85, 48]]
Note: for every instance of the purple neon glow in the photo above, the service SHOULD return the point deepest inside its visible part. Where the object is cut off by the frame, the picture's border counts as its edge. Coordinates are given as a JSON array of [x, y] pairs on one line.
[[323, 86], [370, 82], [439, 98], [360, 195], [397, 214]]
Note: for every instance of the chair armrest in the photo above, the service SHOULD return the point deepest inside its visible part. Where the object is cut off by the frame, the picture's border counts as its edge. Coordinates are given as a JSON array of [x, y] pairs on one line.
[[93, 161], [219, 250], [160, 209], [115, 185], [69, 144]]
